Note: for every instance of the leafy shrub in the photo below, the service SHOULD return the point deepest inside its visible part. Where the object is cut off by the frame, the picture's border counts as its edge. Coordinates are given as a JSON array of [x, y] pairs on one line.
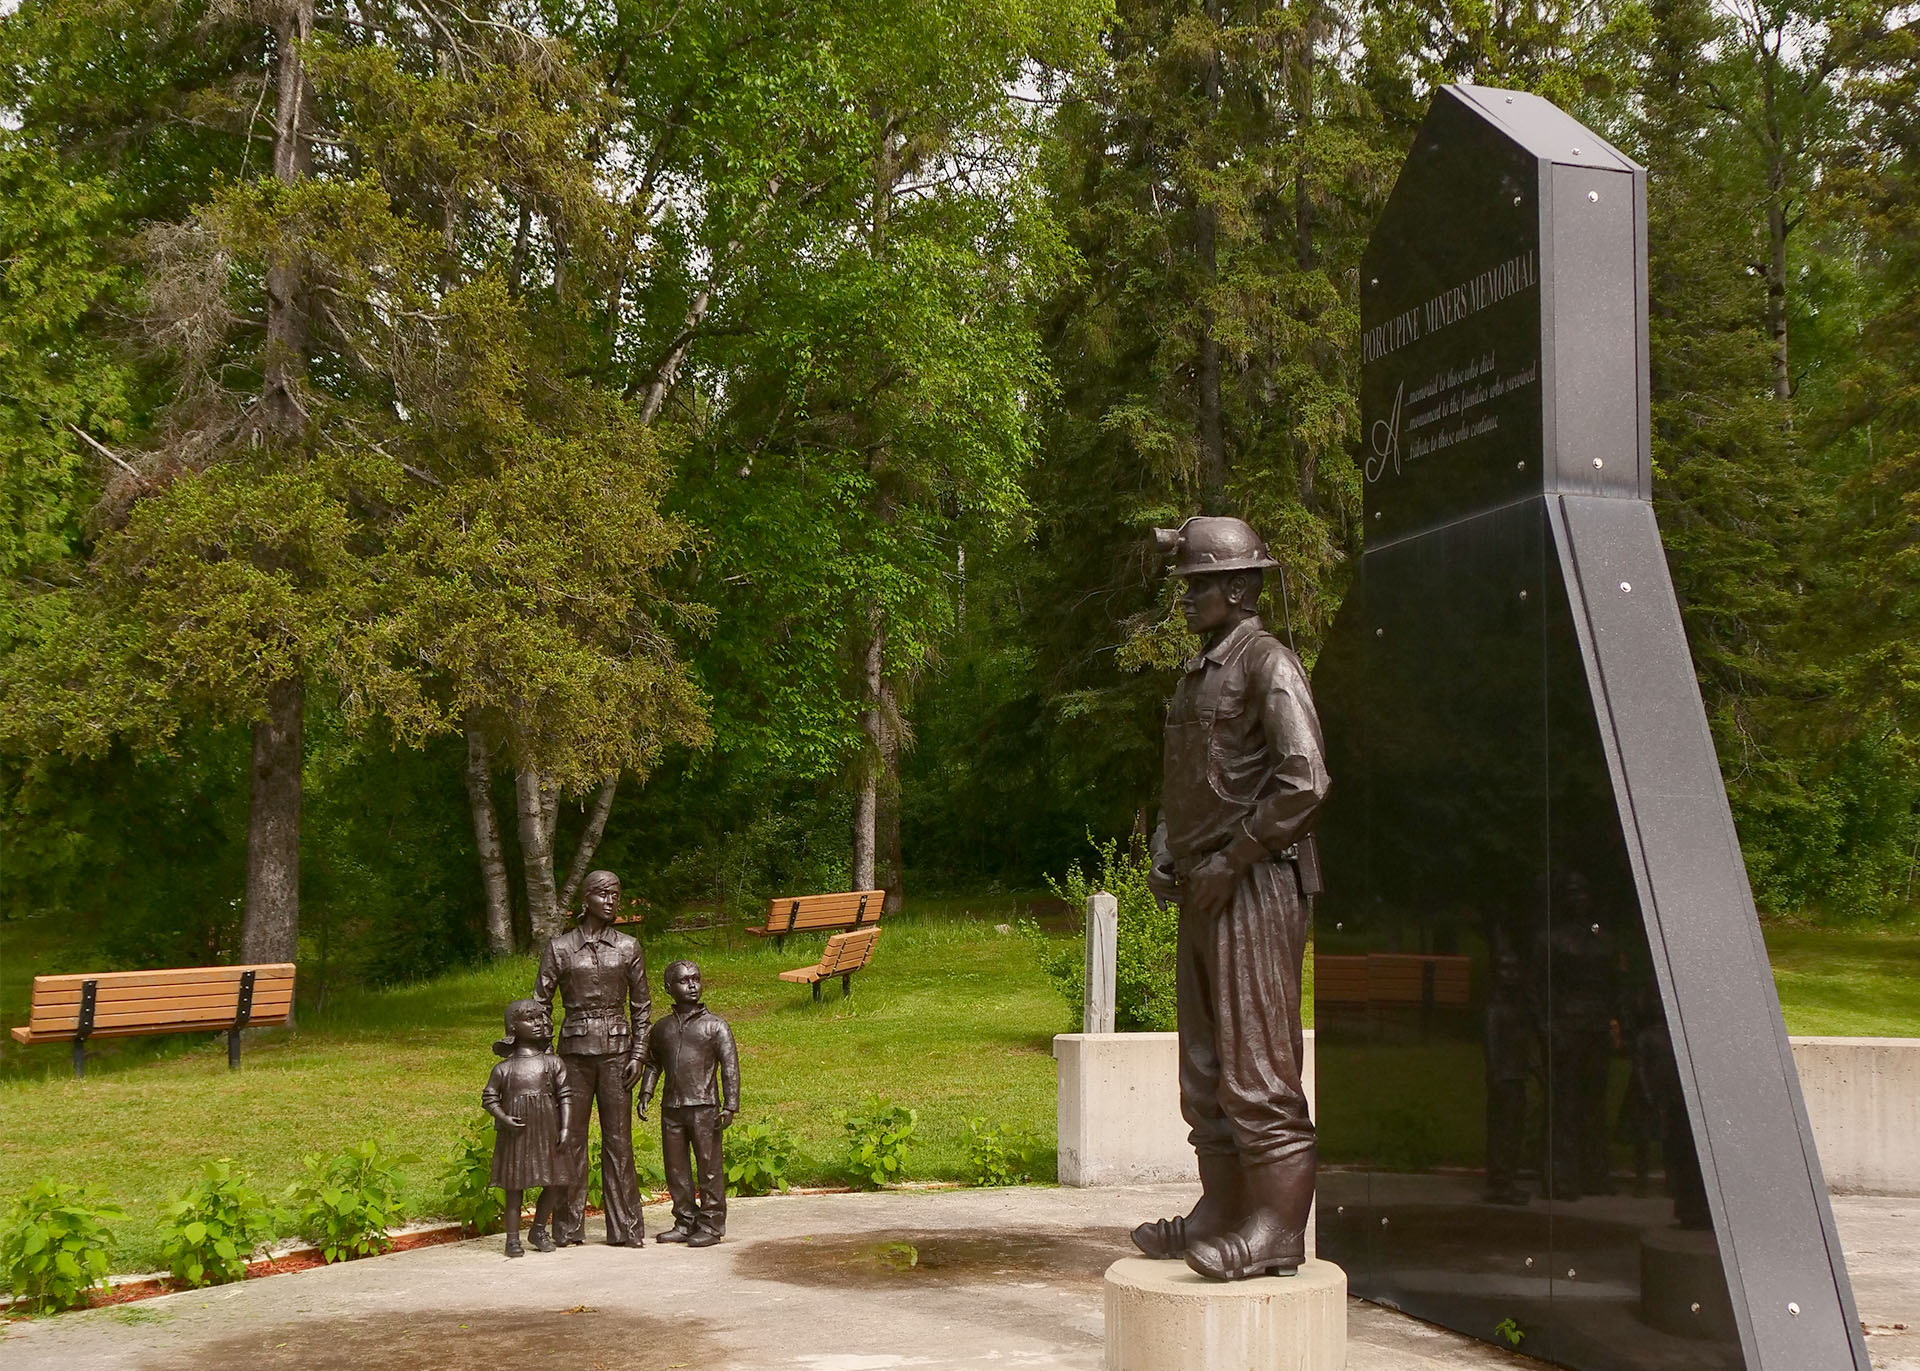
[[347, 1204], [471, 1197], [1145, 1000], [55, 1244], [596, 1191], [877, 1142], [995, 1157], [213, 1228], [649, 1163], [759, 1155]]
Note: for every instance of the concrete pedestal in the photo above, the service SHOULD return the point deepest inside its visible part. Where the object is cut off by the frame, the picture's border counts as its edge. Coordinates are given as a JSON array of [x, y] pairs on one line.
[[1163, 1317]]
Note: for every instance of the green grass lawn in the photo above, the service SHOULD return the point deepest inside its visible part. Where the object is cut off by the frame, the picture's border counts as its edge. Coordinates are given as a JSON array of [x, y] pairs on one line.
[[1847, 984], [953, 1019]]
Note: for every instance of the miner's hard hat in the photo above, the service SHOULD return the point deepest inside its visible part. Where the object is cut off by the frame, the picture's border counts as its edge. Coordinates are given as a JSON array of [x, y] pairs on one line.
[[1212, 543]]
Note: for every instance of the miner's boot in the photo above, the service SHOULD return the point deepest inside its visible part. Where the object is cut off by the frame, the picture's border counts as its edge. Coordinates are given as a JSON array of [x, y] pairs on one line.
[[1218, 1210], [1272, 1239]]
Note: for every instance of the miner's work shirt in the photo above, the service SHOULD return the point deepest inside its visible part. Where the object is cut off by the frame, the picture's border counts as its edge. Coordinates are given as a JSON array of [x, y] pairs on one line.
[[602, 980], [688, 1047], [1244, 755]]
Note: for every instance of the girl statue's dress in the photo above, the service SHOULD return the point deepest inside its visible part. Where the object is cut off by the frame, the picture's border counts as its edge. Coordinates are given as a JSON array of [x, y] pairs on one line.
[[527, 1087]]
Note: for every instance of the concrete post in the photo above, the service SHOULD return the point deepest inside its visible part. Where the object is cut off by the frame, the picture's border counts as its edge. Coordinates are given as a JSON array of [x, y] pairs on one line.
[[1103, 942]]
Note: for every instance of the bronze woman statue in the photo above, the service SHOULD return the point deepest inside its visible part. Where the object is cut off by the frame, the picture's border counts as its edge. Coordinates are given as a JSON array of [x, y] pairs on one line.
[[601, 976]]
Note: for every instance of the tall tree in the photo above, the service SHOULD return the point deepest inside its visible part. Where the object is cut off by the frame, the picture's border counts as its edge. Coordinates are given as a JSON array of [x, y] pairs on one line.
[[1217, 177], [888, 398]]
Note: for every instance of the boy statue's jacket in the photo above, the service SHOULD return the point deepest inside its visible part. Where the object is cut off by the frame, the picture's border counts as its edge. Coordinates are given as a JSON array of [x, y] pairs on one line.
[[688, 1047]]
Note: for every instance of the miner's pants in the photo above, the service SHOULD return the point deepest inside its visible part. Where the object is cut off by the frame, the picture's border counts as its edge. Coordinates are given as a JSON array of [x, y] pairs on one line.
[[1240, 1039]]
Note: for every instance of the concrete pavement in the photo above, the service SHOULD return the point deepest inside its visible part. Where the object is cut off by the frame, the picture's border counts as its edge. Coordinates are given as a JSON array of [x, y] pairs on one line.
[[967, 1280]]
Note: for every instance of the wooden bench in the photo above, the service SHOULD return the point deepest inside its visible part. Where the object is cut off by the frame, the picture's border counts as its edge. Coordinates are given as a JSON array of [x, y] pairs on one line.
[[786, 914], [845, 954], [129, 1004], [1393, 978]]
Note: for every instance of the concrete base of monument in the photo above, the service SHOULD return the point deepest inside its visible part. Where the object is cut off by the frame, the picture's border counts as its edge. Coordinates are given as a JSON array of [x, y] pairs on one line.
[[1163, 1317]]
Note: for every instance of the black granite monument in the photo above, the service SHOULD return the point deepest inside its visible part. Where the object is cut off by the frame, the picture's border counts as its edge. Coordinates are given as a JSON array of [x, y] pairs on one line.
[[1556, 1103]]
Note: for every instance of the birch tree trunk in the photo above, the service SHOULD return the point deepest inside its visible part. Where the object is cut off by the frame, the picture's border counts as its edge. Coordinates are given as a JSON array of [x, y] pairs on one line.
[[532, 808], [887, 803], [486, 840], [867, 793], [589, 840], [1777, 288]]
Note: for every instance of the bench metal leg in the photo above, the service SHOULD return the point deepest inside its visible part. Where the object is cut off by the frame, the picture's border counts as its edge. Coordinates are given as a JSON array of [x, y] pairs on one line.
[[242, 1015], [816, 992], [846, 985], [89, 996]]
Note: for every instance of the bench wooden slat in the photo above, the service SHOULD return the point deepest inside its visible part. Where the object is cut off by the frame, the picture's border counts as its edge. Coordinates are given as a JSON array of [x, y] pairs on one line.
[[263, 973], [208, 1008], [845, 954], [846, 951], [837, 910], [184, 990], [219, 1025], [127, 1004], [1393, 978], [135, 1028], [164, 993]]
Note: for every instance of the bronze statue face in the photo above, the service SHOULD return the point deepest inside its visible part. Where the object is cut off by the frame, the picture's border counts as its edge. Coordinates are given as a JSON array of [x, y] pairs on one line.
[[530, 1020], [683, 983], [600, 900], [1218, 599]]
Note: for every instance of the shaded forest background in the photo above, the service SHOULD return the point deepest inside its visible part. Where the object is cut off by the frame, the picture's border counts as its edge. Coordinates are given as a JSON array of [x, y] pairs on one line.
[[446, 445]]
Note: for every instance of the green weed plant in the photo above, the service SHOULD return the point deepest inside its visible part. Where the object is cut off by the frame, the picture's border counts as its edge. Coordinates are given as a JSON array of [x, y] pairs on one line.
[[56, 1245], [996, 1155], [759, 1156], [347, 1203], [211, 1230], [877, 1143], [1146, 942], [470, 1197]]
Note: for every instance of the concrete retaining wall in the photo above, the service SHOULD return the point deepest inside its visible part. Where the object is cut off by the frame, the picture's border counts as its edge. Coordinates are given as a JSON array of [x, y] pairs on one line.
[[1119, 1109], [1863, 1096]]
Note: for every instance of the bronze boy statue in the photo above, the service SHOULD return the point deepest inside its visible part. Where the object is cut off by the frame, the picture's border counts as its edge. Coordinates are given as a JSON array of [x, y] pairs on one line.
[[533, 1120], [1244, 781], [601, 975], [688, 1047]]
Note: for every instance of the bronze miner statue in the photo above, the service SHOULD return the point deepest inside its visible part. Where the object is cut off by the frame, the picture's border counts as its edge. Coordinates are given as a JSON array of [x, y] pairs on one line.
[[533, 1120], [1244, 778], [690, 1047], [601, 975]]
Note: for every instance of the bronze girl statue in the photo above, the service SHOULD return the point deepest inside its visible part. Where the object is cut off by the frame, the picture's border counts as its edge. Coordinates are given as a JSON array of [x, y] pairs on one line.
[[533, 1121]]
